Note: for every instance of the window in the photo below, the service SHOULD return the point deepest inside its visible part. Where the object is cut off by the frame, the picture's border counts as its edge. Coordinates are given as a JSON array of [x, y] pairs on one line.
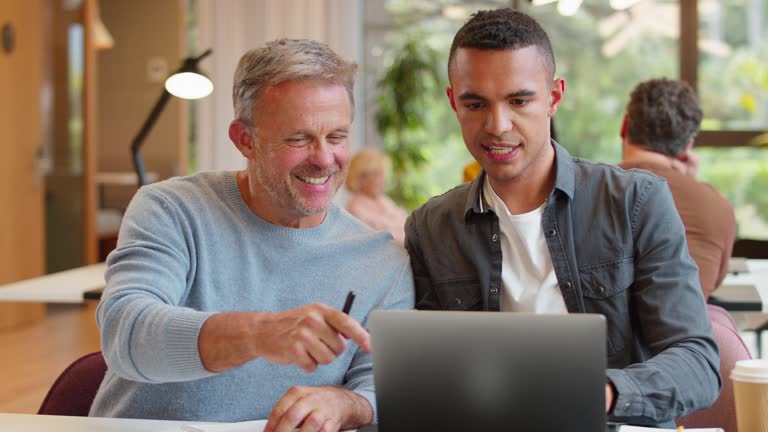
[[732, 78], [602, 54], [733, 64], [719, 46]]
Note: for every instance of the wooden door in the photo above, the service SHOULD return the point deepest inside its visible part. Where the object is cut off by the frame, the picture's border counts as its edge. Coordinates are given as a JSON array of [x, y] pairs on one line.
[[22, 247]]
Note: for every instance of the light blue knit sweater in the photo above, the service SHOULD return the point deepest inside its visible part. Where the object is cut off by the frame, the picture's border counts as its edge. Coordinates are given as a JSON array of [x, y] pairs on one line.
[[190, 247]]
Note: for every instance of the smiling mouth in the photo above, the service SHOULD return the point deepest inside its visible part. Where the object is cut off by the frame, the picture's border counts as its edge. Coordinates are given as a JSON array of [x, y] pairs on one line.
[[499, 150], [313, 180]]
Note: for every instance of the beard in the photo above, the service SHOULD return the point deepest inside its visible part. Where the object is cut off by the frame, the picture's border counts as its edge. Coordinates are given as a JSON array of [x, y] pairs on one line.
[[283, 193]]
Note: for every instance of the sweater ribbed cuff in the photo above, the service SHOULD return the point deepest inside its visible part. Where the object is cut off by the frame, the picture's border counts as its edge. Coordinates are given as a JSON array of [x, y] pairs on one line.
[[182, 337], [370, 396]]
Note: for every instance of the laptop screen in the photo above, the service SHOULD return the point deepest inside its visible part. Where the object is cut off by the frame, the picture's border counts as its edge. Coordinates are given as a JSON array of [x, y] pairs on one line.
[[481, 371]]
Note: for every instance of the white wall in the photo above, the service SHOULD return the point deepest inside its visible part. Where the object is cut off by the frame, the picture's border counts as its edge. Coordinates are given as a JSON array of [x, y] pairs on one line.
[[232, 27]]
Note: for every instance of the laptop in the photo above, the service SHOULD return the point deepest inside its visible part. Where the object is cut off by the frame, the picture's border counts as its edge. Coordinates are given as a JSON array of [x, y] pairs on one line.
[[481, 371]]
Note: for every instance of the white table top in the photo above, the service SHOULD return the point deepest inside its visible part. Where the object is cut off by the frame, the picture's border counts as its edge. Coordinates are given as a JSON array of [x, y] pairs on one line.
[[123, 178], [757, 276], [62, 287], [35, 423], [42, 423]]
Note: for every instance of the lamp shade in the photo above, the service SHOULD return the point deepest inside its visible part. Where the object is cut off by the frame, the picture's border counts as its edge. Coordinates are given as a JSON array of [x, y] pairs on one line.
[[186, 83], [189, 85]]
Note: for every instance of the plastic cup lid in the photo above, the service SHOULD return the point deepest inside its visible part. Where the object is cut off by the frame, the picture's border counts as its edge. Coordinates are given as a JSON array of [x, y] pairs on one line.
[[755, 371]]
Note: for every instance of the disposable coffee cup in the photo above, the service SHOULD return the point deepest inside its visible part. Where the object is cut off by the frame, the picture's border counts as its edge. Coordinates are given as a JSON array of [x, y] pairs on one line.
[[750, 388]]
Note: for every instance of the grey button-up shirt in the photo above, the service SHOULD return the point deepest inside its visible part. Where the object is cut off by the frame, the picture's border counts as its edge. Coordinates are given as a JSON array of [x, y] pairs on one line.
[[618, 249]]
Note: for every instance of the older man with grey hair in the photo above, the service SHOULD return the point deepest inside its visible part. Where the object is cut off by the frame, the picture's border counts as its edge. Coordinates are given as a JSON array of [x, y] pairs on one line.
[[221, 295]]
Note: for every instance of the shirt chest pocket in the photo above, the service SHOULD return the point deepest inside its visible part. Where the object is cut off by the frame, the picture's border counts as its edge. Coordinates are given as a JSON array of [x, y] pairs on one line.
[[606, 292], [459, 294]]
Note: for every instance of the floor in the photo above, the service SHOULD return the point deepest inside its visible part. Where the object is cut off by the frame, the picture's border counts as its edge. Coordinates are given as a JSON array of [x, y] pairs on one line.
[[39, 352]]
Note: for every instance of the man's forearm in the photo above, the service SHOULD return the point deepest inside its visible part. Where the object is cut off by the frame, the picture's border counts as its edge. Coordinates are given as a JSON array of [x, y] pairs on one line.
[[360, 410], [308, 336], [226, 340]]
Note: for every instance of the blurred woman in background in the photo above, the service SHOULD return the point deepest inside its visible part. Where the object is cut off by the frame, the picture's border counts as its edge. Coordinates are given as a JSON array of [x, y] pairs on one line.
[[369, 172]]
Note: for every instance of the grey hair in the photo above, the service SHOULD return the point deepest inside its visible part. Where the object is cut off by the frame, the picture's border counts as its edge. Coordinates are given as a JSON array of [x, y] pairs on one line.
[[283, 60]]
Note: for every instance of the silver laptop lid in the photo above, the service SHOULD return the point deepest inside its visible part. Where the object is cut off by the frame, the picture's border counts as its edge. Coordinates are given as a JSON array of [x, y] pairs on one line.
[[481, 371]]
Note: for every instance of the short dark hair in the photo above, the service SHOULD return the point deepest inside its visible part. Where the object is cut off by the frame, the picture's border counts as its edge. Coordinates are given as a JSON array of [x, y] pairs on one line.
[[663, 116], [502, 29]]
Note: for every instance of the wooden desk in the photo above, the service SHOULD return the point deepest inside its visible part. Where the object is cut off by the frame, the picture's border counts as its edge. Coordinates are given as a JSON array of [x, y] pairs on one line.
[[67, 286]]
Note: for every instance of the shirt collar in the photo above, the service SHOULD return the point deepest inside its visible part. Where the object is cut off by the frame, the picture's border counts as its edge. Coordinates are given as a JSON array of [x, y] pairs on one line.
[[475, 200], [565, 177], [564, 182]]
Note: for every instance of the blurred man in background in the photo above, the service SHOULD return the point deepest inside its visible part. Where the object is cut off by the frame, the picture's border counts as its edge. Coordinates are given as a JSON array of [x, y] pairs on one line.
[[658, 131]]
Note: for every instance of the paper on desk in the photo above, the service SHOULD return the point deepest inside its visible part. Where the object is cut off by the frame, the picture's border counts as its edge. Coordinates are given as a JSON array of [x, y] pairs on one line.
[[625, 428], [248, 426]]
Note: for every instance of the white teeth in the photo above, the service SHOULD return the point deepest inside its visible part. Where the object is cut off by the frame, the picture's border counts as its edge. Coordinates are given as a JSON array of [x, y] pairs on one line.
[[501, 150], [313, 180]]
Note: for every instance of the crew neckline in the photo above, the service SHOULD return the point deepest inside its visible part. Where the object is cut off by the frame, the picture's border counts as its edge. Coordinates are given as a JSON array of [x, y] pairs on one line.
[[232, 192]]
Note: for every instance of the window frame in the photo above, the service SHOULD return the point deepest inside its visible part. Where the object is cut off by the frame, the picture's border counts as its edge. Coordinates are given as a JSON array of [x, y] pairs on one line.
[[689, 72]]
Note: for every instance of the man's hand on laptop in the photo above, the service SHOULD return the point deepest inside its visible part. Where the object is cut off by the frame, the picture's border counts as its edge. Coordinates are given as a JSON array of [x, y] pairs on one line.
[[610, 395], [314, 409], [307, 336]]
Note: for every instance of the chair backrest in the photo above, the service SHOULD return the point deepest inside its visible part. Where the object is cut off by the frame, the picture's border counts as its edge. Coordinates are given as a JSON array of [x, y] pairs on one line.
[[721, 316], [722, 413], [74, 390]]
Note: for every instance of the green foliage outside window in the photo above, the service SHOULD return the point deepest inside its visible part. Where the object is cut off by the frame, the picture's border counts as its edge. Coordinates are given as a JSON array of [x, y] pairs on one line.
[[423, 137], [417, 124]]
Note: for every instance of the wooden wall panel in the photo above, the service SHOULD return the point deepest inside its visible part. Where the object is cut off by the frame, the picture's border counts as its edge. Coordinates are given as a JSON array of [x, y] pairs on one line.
[[22, 247]]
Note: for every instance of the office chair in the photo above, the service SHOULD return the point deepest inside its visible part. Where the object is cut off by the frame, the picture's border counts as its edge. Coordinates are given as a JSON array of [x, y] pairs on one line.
[[74, 390], [721, 316], [722, 413]]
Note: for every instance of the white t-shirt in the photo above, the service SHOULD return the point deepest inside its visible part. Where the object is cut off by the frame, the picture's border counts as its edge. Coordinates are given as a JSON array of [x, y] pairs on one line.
[[528, 277]]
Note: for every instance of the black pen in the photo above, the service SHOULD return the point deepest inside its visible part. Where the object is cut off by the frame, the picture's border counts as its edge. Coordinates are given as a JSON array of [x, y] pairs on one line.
[[348, 302]]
